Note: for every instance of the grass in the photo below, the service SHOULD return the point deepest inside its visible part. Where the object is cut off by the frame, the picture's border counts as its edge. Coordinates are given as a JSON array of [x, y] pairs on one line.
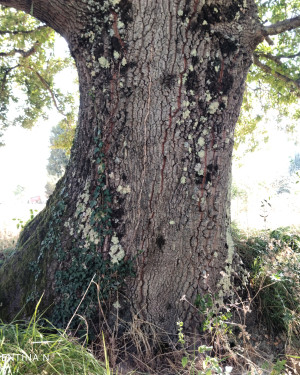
[[30, 348]]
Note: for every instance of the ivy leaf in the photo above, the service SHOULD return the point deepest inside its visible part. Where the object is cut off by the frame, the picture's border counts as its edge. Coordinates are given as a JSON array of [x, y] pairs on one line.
[[184, 361]]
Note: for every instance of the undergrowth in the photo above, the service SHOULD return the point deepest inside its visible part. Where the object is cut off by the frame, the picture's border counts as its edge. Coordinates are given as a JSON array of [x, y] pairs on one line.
[[273, 261], [223, 344]]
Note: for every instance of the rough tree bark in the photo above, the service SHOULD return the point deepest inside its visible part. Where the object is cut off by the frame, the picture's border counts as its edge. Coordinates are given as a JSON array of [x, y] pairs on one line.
[[161, 85]]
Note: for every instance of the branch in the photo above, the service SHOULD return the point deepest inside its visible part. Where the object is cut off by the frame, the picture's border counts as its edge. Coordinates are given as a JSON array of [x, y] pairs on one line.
[[25, 54], [4, 80], [16, 32], [49, 89], [280, 27], [23, 5], [276, 58], [61, 15], [278, 75], [288, 56]]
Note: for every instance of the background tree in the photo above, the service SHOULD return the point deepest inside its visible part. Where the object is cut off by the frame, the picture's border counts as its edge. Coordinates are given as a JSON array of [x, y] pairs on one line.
[[60, 151], [57, 163], [148, 183], [59, 155]]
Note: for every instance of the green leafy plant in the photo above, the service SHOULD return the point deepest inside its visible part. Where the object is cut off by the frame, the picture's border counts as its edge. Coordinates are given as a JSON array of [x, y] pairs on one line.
[[208, 364], [278, 367], [216, 323]]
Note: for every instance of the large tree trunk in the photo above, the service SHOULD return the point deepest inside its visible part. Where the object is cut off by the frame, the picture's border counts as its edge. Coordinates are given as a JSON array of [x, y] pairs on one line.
[[147, 187]]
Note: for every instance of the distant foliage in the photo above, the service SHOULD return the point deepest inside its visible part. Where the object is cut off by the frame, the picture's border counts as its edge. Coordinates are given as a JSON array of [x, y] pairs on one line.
[[27, 71], [274, 79]]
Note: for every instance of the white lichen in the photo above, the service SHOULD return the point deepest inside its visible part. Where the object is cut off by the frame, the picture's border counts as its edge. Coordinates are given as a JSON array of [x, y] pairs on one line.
[[114, 240], [213, 107], [208, 96], [104, 63], [186, 114], [120, 25], [201, 141], [124, 189], [117, 305], [116, 250], [197, 167]]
